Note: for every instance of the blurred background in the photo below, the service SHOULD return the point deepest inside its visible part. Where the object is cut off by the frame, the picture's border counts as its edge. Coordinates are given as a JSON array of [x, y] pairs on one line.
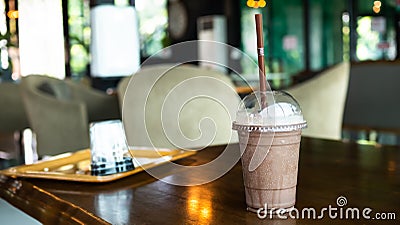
[[301, 36], [309, 45]]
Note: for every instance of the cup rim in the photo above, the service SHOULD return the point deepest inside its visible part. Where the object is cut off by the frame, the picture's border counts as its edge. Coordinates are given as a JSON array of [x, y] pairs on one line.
[[268, 128]]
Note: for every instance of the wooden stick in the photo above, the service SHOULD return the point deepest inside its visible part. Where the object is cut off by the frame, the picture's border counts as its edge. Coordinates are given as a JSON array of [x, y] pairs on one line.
[[261, 64]]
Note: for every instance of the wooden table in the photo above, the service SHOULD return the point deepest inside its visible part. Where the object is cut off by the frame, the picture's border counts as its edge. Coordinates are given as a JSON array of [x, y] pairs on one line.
[[367, 176]]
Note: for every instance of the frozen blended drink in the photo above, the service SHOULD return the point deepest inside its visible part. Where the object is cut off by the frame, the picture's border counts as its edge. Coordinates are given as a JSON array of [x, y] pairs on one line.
[[269, 140]]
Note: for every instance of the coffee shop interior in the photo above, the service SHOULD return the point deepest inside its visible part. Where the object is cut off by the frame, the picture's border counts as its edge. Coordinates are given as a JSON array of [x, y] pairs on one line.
[[67, 64]]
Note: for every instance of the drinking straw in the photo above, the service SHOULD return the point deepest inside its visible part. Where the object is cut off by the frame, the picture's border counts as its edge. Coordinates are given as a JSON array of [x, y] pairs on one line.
[[261, 64]]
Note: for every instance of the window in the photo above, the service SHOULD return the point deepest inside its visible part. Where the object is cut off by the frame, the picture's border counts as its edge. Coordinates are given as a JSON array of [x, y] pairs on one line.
[[376, 40], [283, 35], [79, 36], [153, 22], [41, 39]]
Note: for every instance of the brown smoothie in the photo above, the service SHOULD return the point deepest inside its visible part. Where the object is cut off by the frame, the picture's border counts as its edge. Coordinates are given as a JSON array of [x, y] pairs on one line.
[[273, 183]]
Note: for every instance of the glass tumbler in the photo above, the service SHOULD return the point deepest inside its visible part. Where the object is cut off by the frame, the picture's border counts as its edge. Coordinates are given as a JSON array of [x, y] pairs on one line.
[[109, 150]]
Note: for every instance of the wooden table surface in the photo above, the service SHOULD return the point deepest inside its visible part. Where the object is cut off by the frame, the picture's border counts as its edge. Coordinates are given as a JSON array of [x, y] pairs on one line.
[[366, 176]]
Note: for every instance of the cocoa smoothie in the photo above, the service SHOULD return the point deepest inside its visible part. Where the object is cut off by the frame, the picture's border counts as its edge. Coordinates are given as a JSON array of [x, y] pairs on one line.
[[269, 142]]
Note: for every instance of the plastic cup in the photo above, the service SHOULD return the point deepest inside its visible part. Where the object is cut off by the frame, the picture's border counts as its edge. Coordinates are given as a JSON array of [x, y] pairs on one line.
[[269, 140]]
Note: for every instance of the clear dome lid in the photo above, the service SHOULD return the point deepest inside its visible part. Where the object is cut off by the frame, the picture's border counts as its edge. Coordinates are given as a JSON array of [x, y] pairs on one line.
[[269, 111]]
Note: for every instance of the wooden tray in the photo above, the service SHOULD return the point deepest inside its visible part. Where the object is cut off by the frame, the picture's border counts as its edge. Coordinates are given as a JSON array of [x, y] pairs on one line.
[[76, 166]]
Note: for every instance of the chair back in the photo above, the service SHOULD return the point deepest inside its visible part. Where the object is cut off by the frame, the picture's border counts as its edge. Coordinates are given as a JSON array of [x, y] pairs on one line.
[[178, 107], [322, 100], [59, 121], [371, 102]]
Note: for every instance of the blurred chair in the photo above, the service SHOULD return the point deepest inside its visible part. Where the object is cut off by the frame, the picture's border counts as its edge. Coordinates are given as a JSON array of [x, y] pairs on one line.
[[178, 107], [322, 100], [59, 112], [371, 103], [100, 106], [12, 114]]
